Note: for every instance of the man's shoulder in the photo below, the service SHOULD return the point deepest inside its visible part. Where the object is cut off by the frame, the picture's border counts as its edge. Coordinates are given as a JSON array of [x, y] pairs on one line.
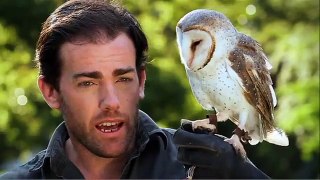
[[169, 131], [29, 170]]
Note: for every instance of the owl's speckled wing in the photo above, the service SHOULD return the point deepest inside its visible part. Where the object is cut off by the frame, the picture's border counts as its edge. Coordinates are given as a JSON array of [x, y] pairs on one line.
[[251, 65]]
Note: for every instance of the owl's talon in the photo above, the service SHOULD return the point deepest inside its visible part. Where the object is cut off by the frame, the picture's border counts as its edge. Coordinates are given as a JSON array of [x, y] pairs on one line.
[[203, 125], [243, 135], [245, 138], [237, 145]]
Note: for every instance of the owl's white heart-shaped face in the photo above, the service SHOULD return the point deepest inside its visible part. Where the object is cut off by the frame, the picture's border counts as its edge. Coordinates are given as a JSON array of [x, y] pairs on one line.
[[195, 47], [203, 35]]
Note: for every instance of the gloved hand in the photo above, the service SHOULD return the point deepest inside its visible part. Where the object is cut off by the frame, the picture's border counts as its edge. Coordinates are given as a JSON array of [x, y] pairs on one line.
[[212, 156]]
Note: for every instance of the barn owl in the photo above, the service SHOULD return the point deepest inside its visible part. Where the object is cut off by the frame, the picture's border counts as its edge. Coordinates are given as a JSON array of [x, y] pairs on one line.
[[229, 73]]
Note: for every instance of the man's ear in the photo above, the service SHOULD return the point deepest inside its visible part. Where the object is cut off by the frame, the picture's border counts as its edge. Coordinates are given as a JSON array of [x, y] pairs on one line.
[[49, 93], [142, 81]]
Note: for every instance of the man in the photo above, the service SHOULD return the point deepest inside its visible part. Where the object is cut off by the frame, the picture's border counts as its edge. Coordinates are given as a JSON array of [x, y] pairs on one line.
[[92, 59]]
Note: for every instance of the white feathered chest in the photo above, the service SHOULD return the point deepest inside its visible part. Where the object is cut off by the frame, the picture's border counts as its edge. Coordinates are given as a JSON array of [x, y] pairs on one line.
[[214, 88]]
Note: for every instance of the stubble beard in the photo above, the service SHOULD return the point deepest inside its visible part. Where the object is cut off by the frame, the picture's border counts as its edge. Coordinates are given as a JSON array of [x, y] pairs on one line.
[[90, 143]]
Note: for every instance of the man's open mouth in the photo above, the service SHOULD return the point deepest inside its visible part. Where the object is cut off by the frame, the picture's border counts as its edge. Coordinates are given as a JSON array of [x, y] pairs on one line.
[[108, 127]]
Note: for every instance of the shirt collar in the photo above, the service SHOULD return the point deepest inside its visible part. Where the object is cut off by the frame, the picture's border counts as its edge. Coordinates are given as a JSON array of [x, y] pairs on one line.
[[59, 162], [149, 129]]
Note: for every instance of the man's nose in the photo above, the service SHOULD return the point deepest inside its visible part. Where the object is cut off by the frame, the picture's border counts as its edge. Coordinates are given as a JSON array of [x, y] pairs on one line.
[[110, 99]]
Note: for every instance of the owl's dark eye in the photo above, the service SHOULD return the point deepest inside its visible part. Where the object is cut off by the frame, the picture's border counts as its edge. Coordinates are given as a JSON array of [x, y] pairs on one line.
[[195, 44]]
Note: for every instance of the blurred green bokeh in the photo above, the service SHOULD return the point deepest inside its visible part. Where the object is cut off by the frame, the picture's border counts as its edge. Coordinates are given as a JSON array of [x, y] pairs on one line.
[[288, 30]]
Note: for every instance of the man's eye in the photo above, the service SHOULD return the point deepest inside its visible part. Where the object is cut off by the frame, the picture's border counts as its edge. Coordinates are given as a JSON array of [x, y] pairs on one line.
[[85, 84], [124, 79]]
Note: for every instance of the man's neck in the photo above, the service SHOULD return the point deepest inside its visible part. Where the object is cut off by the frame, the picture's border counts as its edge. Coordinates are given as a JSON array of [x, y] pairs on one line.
[[95, 167]]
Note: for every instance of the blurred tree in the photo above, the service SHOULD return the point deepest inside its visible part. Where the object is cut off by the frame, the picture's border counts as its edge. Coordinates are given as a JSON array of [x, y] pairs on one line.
[[26, 122], [288, 31], [26, 16]]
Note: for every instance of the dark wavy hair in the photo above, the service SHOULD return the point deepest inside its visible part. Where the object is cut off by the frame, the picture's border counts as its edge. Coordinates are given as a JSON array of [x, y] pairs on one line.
[[89, 20]]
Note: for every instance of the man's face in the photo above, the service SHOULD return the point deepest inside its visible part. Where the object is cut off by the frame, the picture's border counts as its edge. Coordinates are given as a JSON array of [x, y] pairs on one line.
[[99, 95]]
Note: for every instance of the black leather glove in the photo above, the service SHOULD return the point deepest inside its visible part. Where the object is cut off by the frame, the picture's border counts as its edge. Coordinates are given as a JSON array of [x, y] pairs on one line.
[[213, 157]]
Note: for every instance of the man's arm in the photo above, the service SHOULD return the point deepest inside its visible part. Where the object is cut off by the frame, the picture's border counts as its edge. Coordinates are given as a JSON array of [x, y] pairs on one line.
[[212, 156]]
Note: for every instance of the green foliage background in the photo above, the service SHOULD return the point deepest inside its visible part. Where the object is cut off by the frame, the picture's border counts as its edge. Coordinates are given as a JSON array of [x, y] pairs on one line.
[[288, 31]]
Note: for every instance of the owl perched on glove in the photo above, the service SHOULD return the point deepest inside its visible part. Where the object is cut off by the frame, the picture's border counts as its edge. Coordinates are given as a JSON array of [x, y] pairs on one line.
[[229, 73]]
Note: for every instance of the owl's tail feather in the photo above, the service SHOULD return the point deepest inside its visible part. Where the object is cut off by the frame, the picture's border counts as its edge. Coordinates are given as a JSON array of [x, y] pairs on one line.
[[278, 137]]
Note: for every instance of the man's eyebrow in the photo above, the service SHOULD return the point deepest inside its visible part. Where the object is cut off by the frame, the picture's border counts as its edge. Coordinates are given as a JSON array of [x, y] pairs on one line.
[[94, 75], [122, 71]]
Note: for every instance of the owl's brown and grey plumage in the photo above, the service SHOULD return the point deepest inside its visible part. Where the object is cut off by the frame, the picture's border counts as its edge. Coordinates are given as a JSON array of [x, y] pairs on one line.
[[229, 72]]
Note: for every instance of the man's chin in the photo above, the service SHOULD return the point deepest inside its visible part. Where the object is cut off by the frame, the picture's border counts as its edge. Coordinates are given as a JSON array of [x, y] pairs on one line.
[[116, 152]]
